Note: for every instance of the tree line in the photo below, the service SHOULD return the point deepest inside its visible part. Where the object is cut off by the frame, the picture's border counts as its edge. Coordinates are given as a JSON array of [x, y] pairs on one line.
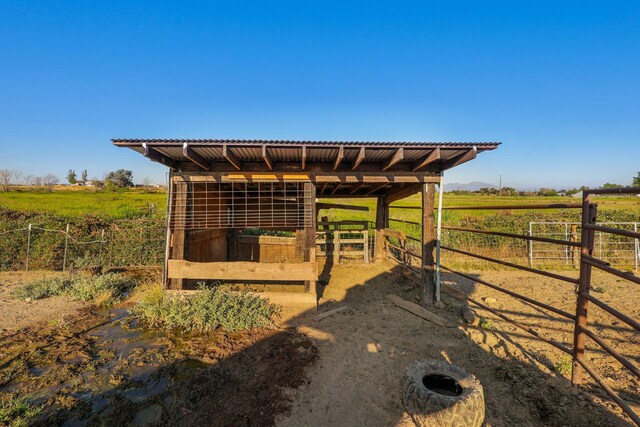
[[121, 178]]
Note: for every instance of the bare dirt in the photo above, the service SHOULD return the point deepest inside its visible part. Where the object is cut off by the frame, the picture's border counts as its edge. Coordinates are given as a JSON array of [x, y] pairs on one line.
[[17, 314], [365, 351], [99, 367]]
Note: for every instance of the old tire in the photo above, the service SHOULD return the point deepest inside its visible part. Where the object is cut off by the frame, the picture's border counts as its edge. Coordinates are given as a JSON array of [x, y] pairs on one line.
[[437, 393]]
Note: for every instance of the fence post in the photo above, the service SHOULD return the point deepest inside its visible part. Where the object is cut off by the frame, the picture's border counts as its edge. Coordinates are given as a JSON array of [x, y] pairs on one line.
[[530, 245], [66, 243], [566, 238], [100, 250], [28, 247], [589, 213], [636, 247]]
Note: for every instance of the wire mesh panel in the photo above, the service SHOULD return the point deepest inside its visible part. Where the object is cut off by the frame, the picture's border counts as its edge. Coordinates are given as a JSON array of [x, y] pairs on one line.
[[614, 249], [208, 205]]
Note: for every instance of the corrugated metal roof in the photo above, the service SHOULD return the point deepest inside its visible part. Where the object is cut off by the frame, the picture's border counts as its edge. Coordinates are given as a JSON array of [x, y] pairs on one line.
[[285, 142]]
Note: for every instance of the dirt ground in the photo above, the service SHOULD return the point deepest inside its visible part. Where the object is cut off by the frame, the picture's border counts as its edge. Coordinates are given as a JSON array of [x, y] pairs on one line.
[[365, 351], [17, 314], [94, 367]]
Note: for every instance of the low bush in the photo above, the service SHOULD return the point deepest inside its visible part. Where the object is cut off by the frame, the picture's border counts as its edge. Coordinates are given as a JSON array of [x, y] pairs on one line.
[[101, 290], [206, 310]]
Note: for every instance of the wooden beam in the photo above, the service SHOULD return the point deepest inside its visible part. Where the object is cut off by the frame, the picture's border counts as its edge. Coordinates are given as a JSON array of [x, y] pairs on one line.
[[467, 156], [398, 156], [359, 159], [231, 158], [182, 269], [389, 232], [356, 188], [417, 310], [156, 156], [382, 213], [376, 188], [338, 185], [324, 187], [304, 157], [196, 158], [310, 237], [430, 158], [322, 205], [266, 157], [339, 157], [428, 242], [402, 193]]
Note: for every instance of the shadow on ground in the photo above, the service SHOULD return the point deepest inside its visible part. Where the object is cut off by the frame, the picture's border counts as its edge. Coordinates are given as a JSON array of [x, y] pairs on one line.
[[346, 370]]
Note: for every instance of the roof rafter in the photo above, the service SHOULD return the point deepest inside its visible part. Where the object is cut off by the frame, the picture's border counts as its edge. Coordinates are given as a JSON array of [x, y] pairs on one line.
[[376, 188], [397, 156], [231, 158], [359, 159], [304, 157], [196, 158], [463, 158], [339, 157], [156, 156], [266, 157], [430, 158]]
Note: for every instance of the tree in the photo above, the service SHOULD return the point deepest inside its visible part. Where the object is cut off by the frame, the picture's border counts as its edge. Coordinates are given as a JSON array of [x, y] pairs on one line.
[[85, 175], [609, 185], [50, 180], [636, 180], [37, 181], [6, 176], [71, 177], [147, 182], [121, 178]]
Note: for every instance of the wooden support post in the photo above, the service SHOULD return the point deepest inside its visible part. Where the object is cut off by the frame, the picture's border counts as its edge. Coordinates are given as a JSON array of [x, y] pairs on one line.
[[382, 213], [428, 242], [232, 244], [589, 213], [310, 231], [179, 235]]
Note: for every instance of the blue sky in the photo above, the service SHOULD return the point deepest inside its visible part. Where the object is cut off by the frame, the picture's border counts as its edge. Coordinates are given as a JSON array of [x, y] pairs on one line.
[[557, 82]]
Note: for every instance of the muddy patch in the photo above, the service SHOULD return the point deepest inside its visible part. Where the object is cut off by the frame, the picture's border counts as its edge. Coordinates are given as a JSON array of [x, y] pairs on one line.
[[106, 369]]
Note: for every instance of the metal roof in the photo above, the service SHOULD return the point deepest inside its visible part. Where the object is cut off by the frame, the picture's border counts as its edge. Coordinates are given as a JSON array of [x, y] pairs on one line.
[[258, 155]]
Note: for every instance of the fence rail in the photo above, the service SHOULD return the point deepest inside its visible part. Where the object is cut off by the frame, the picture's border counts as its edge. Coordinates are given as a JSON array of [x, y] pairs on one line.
[[591, 254]]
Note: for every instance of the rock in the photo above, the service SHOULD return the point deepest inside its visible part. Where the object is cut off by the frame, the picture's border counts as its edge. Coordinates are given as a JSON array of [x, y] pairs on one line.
[[440, 305], [408, 288], [469, 316], [490, 300], [148, 416]]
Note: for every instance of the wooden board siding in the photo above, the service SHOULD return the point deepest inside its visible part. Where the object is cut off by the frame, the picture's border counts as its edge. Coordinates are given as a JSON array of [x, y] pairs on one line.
[[242, 270]]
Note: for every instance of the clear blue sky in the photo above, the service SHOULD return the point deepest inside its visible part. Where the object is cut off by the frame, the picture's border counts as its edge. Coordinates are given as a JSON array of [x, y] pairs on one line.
[[557, 82]]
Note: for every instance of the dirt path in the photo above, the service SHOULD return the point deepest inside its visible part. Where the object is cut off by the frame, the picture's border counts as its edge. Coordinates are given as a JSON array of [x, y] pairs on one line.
[[17, 314], [364, 353]]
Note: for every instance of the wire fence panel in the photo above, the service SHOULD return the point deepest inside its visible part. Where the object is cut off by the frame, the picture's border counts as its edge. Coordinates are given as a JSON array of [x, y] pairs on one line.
[[620, 251], [123, 243]]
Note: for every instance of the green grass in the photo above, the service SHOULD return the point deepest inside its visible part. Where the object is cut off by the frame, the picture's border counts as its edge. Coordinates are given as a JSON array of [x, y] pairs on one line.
[[77, 202], [17, 412], [102, 290], [206, 310], [486, 324], [563, 366]]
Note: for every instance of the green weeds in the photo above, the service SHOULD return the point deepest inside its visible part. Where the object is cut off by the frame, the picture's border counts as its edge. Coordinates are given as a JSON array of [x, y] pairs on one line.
[[206, 310], [17, 412], [102, 290], [563, 366]]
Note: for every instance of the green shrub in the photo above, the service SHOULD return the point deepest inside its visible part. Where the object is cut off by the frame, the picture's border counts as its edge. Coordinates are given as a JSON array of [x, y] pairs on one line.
[[486, 324], [101, 290], [206, 310], [563, 366]]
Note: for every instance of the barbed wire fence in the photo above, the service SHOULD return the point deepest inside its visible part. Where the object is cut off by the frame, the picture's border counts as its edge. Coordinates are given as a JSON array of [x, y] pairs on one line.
[[123, 243]]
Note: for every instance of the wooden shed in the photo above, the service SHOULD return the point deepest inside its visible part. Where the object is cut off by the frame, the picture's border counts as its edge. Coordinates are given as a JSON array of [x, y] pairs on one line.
[[224, 194]]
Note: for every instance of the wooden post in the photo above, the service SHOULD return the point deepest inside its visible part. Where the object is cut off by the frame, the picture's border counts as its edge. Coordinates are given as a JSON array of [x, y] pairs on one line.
[[589, 213], [310, 231], [428, 242], [382, 213], [179, 234]]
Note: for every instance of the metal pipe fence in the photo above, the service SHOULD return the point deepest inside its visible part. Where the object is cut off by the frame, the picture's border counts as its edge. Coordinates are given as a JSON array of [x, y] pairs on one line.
[[593, 253]]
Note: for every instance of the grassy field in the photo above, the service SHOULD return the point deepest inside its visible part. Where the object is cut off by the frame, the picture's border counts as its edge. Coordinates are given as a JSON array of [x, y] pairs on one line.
[[85, 201]]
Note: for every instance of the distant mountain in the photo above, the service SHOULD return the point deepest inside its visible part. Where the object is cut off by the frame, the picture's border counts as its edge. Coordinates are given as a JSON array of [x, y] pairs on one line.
[[470, 186]]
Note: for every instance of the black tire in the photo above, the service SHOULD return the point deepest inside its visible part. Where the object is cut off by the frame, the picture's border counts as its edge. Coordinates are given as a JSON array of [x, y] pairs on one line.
[[437, 393]]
